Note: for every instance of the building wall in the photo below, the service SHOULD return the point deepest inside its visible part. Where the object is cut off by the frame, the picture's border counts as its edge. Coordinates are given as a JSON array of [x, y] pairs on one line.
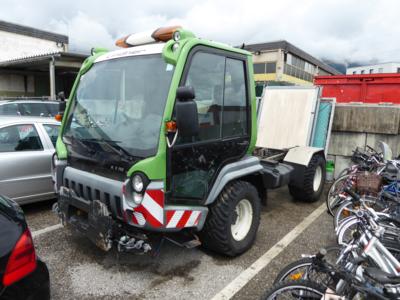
[[287, 68], [14, 45], [16, 85], [375, 69]]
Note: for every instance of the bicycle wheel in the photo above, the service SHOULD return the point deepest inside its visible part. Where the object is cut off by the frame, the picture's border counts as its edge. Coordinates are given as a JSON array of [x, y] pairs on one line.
[[346, 229], [303, 269], [301, 289], [333, 201], [345, 209]]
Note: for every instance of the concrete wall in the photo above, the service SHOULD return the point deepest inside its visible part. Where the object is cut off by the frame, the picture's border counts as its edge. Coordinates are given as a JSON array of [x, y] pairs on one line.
[[361, 125], [266, 57], [14, 45]]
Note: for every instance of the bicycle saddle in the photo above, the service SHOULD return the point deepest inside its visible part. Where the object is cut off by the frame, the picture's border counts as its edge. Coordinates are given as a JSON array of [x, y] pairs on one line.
[[381, 276]]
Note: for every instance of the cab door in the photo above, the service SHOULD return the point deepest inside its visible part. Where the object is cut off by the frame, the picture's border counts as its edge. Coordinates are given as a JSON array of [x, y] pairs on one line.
[[220, 82]]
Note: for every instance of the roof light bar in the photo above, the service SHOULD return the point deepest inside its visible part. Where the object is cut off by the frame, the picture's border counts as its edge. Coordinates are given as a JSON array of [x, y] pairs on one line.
[[162, 34]]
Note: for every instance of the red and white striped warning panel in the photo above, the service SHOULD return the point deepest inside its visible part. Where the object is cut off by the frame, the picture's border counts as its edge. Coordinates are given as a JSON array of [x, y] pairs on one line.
[[182, 218], [152, 208]]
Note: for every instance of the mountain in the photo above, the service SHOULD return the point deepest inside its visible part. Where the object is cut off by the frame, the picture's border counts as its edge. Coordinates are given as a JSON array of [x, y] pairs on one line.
[[341, 66]]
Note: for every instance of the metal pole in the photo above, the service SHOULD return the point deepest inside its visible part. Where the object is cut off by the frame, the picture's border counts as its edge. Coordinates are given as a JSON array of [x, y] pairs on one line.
[[52, 73]]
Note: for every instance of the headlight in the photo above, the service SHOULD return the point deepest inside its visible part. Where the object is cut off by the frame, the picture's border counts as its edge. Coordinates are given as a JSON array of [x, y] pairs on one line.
[[137, 183], [176, 36], [137, 198]]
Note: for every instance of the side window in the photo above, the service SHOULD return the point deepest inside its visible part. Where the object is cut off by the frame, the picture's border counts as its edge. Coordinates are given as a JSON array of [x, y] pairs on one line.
[[52, 109], [206, 76], [52, 131], [34, 109], [235, 99], [19, 138], [9, 109]]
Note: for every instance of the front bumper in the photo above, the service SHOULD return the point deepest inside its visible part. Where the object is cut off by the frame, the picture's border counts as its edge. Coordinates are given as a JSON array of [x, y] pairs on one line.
[[93, 203]]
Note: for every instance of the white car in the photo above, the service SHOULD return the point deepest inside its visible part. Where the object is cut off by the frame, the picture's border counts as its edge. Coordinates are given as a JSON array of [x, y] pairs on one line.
[[26, 149]]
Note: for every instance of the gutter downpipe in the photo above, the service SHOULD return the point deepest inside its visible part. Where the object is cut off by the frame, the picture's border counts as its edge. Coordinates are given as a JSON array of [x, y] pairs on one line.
[[52, 73]]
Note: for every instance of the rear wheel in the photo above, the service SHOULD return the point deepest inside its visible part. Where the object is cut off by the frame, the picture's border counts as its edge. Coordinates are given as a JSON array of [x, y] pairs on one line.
[[233, 220], [313, 181]]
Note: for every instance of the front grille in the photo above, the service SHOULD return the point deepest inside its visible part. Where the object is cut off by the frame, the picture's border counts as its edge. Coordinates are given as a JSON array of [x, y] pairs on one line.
[[91, 187]]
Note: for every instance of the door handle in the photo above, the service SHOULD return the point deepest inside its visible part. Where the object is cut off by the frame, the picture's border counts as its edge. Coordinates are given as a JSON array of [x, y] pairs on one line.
[[245, 143]]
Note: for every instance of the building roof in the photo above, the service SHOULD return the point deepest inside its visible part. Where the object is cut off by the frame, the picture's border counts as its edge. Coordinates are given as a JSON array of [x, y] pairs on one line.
[[290, 48], [42, 57], [33, 32]]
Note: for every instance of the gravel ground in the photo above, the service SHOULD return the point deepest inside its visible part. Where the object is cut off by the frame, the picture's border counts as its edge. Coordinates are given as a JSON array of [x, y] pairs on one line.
[[79, 270]]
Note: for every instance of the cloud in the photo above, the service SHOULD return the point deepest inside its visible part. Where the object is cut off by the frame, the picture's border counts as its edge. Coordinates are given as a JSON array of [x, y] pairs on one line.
[[340, 30], [84, 32]]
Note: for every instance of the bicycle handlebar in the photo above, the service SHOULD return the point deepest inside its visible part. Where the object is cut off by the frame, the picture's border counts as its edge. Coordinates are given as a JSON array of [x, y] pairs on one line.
[[354, 195]]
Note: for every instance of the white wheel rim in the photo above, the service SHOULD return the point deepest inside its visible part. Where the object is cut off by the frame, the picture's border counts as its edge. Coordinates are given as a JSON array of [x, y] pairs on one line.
[[317, 178], [244, 218]]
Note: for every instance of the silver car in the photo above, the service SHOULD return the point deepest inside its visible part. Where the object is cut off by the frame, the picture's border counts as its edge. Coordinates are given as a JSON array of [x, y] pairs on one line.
[[28, 107], [26, 149]]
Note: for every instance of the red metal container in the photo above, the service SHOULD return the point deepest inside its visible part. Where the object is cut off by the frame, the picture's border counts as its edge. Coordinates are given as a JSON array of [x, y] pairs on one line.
[[369, 88]]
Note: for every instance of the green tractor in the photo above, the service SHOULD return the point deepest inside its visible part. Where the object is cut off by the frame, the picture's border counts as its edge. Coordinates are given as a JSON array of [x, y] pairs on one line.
[[157, 142]]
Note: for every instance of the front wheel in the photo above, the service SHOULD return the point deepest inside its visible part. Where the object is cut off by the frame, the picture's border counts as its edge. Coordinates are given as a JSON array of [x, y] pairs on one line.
[[313, 180], [333, 199], [296, 290], [303, 269], [232, 222]]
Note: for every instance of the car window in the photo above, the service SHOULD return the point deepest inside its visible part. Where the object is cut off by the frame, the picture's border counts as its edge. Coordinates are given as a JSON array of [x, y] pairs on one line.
[[9, 109], [34, 109], [52, 109], [17, 138], [52, 131]]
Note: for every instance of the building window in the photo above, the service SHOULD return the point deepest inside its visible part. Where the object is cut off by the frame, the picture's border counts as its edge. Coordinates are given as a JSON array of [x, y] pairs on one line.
[[371, 71], [271, 67], [362, 71], [380, 70], [262, 68], [259, 68], [289, 59]]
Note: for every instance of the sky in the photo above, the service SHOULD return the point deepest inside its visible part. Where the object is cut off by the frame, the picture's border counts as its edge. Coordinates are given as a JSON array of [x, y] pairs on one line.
[[363, 31]]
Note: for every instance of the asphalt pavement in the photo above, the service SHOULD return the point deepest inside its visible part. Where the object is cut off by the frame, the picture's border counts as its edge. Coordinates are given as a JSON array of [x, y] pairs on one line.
[[79, 270]]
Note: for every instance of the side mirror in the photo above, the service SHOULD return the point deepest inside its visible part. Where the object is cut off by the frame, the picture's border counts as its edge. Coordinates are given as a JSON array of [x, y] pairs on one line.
[[186, 112]]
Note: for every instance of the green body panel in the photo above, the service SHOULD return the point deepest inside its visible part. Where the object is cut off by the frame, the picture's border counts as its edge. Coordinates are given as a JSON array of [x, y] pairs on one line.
[[155, 167], [253, 100]]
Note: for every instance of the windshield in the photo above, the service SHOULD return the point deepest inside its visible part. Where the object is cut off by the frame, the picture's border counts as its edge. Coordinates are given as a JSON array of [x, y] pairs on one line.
[[120, 102]]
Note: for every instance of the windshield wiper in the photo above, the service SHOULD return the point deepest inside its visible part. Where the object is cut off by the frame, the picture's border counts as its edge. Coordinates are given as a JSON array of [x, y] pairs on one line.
[[74, 139], [114, 146]]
